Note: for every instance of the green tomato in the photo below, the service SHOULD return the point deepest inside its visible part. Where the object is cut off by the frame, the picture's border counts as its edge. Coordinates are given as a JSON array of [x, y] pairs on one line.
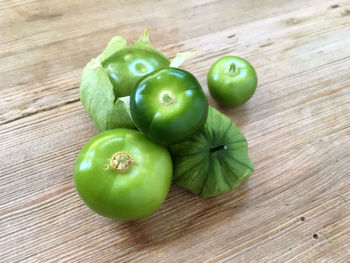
[[168, 106], [121, 174], [232, 81], [126, 67]]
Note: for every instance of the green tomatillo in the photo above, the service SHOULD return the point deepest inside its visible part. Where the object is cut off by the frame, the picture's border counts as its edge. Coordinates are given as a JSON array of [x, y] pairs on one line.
[[127, 66], [168, 106], [121, 174], [108, 79], [215, 160], [232, 81]]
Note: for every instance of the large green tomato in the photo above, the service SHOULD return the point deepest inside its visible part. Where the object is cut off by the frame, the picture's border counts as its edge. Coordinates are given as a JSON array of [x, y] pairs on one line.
[[121, 174], [232, 81], [168, 106], [126, 67]]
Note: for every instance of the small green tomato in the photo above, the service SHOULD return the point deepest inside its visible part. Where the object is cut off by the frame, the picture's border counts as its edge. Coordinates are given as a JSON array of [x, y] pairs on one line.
[[232, 81], [126, 67]]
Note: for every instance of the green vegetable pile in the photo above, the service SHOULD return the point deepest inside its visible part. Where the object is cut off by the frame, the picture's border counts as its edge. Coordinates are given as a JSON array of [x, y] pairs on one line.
[[156, 126]]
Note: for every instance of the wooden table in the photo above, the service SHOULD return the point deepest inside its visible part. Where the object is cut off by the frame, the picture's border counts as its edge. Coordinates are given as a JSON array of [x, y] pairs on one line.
[[294, 208]]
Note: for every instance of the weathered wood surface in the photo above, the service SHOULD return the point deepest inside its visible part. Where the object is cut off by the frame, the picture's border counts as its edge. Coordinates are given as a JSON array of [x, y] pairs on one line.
[[294, 208]]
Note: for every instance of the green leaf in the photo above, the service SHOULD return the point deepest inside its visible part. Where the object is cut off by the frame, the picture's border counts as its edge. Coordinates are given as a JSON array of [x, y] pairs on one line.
[[180, 58], [144, 43], [117, 43], [215, 160], [97, 96], [121, 116]]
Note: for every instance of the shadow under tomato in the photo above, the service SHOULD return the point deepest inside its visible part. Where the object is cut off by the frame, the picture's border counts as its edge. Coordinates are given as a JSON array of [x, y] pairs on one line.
[[183, 214], [239, 115]]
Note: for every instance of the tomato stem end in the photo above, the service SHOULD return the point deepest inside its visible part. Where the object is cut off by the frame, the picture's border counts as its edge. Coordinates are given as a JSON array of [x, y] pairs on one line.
[[233, 70], [121, 161], [166, 97]]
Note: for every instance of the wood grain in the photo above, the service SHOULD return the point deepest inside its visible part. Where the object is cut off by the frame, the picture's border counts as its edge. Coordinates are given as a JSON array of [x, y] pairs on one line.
[[294, 208]]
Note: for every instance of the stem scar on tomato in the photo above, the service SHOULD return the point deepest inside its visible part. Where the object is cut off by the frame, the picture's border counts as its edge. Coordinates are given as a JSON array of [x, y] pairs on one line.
[[120, 161]]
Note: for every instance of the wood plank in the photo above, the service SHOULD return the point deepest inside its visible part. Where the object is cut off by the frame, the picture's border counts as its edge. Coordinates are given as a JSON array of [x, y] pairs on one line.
[[295, 207], [39, 48], [269, 185]]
